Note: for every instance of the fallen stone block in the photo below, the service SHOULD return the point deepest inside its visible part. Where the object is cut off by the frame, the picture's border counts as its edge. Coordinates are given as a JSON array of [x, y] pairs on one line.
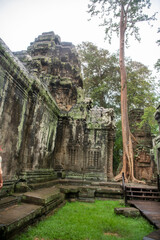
[[127, 212]]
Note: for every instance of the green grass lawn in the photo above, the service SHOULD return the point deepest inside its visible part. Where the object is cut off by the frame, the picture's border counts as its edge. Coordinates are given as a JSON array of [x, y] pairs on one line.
[[88, 221]]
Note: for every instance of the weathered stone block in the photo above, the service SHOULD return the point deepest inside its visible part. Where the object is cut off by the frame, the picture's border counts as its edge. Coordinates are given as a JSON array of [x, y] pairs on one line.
[[127, 212]]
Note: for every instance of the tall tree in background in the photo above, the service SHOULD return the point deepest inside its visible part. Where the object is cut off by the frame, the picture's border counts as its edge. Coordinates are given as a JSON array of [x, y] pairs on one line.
[[157, 65], [101, 75], [122, 17], [101, 78]]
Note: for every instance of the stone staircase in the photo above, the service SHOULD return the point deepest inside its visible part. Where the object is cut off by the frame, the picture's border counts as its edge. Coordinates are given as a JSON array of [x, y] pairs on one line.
[[89, 191], [8, 201], [22, 209]]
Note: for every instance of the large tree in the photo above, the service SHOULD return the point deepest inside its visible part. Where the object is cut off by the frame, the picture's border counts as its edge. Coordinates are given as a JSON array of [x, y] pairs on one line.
[[101, 77], [157, 65], [122, 17], [100, 73]]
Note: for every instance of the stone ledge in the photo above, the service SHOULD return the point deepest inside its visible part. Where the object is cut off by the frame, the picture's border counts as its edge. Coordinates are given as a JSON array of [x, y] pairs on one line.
[[41, 196]]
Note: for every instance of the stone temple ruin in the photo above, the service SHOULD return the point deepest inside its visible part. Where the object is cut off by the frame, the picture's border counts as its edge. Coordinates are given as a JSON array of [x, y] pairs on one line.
[[46, 124], [52, 137], [144, 164], [48, 128]]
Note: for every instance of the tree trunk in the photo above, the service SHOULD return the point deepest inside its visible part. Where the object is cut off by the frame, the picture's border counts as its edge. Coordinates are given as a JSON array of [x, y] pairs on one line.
[[128, 164]]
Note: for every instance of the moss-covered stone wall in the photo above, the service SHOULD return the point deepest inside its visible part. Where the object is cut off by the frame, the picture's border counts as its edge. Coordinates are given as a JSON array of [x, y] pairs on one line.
[[84, 143], [46, 123], [28, 118], [144, 165]]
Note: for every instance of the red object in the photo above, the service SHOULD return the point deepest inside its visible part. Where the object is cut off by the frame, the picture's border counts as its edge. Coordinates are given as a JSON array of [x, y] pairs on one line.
[[1, 149]]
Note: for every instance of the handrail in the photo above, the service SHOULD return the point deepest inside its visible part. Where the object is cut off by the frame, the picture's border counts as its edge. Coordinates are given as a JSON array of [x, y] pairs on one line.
[[158, 182], [123, 181], [124, 188]]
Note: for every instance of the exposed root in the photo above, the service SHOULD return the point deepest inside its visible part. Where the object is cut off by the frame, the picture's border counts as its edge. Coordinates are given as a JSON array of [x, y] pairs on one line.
[[133, 138], [137, 181], [128, 162], [118, 177]]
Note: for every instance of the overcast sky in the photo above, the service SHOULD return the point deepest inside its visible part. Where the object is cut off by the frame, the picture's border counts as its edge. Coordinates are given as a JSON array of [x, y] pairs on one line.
[[21, 21]]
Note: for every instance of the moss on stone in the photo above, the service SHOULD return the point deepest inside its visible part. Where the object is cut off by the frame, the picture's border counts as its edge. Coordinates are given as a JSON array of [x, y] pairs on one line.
[[20, 127]]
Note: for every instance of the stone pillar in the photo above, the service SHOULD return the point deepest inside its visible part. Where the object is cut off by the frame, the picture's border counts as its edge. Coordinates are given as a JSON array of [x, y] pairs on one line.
[[157, 116], [110, 156], [143, 164], [157, 141]]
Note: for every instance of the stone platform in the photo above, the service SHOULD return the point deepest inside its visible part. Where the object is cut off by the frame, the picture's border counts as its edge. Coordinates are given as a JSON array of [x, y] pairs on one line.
[[21, 210]]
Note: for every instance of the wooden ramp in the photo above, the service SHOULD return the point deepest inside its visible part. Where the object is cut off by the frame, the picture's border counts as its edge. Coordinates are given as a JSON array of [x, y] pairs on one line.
[[151, 211]]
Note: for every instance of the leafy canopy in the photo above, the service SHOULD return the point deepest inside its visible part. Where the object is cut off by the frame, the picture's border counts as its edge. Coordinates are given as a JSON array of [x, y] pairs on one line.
[[102, 79], [135, 11], [157, 65]]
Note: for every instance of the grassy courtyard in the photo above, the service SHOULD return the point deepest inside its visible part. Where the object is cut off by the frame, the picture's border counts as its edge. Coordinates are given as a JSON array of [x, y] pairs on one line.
[[88, 221]]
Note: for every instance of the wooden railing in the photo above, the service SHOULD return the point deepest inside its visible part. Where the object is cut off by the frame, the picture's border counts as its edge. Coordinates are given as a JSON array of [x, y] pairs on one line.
[[124, 188], [158, 182]]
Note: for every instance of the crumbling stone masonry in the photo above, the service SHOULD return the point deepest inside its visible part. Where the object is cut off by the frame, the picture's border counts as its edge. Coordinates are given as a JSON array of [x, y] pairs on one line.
[[46, 124], [144, 164], [84, 146], [156, 147]]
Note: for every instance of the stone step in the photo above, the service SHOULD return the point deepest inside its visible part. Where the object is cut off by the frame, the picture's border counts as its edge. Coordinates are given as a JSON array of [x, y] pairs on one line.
[[40, 175], [107, 184], [78, 182], [43, 184], [34, 205], [41, 196], [8, 201], [82, 192], [16, 217]]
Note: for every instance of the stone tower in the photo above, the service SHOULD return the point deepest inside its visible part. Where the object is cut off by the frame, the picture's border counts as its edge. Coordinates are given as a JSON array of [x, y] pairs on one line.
[[47, 126]]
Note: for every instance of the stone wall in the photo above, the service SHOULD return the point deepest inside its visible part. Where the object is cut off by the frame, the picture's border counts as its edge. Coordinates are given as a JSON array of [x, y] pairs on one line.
[[28, 118], [46, 124], [156, 147], [84, 146], [143, 163]]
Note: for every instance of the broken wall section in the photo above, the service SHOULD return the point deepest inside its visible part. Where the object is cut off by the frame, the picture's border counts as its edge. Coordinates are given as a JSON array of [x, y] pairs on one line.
[[84, 146], [144, 164], [156, 146]]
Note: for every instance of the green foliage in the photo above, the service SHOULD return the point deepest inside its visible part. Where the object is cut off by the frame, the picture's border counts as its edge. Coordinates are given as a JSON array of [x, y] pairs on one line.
[[101, 74], [157, 65], [102, 79], [141, 86], [109, 11], [102, 83], [94, 221], [148, 118]]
